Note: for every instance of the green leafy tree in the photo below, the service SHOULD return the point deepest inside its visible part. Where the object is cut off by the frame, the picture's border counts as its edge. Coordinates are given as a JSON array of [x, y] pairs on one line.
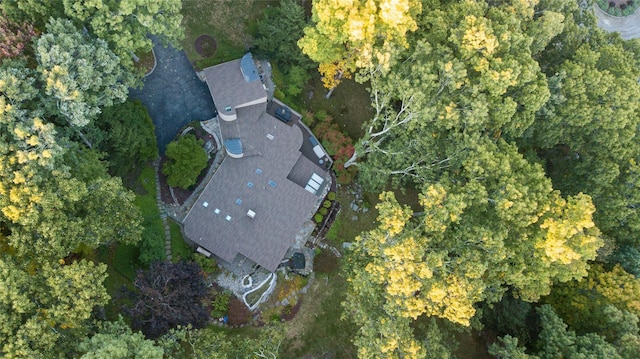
[[131, 141], [124, 25], [276, 39], [50, 206], [558, 342], [507, 348], [79, 74], [511, 316], [458, 254], [115, 340], [186, 158], [277, 34], [469, 74], [582, 303], [45, 307]]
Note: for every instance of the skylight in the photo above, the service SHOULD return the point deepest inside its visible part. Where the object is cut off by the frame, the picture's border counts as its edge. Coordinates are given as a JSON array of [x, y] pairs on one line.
[[273, 184], [238, 201], [250, 184]]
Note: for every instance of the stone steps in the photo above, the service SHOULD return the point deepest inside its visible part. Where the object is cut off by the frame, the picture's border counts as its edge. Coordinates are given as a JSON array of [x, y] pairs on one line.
[[163, 213]]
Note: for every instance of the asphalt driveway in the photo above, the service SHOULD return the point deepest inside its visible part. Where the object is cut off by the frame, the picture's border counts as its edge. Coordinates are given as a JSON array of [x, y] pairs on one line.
[[173, 94], [627, 26]]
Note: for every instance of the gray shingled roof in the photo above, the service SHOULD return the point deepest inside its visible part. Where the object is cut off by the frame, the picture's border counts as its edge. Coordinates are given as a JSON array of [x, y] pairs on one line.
[[280, 210], [228, 87]]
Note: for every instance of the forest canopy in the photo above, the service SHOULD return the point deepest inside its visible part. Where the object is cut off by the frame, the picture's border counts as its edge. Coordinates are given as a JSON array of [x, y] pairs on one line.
[[513, 122], [517, 121]]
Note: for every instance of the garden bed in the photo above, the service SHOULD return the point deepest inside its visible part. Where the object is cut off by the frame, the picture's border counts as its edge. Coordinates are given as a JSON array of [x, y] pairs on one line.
[[205, 45], [254, 297], [619, 7]]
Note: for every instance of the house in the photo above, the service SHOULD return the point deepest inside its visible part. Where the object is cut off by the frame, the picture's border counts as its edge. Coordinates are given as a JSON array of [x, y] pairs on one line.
[[270, 183]]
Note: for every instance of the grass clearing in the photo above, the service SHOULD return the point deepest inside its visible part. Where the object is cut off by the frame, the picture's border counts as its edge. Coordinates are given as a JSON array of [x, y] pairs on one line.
[[350, 228], [122, 264], [350, 104], [317, 331], [146, 201], [229, 22], [180, 250]]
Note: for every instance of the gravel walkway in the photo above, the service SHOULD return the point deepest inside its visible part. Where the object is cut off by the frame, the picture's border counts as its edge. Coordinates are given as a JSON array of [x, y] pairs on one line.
[[627, 26], [173, 94]]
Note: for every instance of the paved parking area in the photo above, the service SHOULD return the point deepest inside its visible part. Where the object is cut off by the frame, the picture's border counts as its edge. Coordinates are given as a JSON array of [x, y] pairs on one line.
[[627, 26], [173, 94]]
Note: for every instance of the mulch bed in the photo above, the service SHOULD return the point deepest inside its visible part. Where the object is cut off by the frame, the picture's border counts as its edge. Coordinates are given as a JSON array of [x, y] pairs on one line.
[[183, 194], [206, 45], [146, 62], [291, 313]]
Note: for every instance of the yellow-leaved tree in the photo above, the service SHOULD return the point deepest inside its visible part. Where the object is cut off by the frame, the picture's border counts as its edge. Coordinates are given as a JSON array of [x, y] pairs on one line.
[[353, 34], [470, 244]]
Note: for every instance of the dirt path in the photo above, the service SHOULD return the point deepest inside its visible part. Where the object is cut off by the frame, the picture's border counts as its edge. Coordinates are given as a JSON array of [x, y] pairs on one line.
[[627, 26]]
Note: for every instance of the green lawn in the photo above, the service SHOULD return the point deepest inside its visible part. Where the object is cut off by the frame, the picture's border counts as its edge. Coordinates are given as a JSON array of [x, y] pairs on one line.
[[227, 21], [349, 105], [179, 249], [317, 331], [122, 263], [122, 259], [153, 229]]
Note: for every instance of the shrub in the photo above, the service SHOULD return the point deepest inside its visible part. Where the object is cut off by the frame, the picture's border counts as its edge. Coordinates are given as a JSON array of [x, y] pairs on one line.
[[326, 204], [318, 218], [208, 265], [321, 115], [129, 135], [220, 304], [323, 211], [339, 146], [186, 158], [331, 196], [307, 119], [277, 93], [151, 247]]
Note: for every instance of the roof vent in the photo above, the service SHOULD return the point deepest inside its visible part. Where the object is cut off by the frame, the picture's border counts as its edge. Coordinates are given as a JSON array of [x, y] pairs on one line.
[[228, 218], [216, 211], [205, 204], [251, 214]]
